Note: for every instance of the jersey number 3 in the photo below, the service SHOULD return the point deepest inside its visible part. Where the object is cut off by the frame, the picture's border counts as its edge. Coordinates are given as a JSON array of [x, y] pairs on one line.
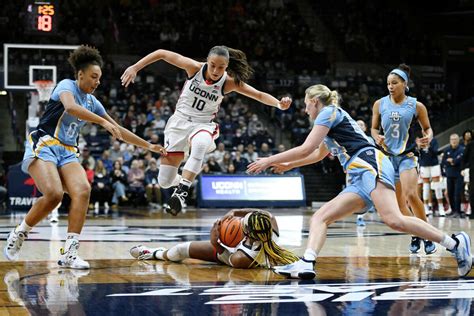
[[395, 131], [198, 104]]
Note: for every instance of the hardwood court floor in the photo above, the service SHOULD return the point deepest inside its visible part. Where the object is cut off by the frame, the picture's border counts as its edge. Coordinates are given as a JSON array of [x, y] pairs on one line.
[[360, 271]]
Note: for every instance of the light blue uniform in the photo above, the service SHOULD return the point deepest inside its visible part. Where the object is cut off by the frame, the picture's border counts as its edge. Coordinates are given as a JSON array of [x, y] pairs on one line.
[[398, 124], [363, 163], [55, 138]]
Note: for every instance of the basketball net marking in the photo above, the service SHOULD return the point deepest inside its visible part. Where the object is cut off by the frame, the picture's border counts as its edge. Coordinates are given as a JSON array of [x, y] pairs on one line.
[[44, 88]]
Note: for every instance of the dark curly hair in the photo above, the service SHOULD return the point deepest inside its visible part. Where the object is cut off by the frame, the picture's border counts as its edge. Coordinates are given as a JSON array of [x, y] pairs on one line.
[[84, 56]]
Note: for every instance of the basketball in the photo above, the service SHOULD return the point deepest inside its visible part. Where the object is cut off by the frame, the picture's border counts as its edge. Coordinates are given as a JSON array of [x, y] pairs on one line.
[[231, 232]]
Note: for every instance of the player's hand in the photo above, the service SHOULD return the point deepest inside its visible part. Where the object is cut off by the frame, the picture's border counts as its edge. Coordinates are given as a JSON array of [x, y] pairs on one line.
[[281, 167], [258, 166], [158, 149], [284, 103], [129, 76], [113, 129], [215, 233], [380, 140], [423, 142]]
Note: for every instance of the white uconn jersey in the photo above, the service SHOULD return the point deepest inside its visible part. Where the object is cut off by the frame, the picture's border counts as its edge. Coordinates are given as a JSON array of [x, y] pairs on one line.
[[200, 101]]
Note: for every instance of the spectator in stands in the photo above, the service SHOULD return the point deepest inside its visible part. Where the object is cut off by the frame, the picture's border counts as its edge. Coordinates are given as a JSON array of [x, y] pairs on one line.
[[101, 187], [240, 163], [264, 151], [226, 161], [115, 151], [136, 177], [213, 165], [119, 184], [108, 164], [250, 154], [219, 153], [89, 171], [452, 158], [466, 137], [152, 188], [468, 172], [86, 156]]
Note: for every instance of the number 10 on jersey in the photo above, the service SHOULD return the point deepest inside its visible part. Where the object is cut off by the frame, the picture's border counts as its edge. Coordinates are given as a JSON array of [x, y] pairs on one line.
[[198, 104]]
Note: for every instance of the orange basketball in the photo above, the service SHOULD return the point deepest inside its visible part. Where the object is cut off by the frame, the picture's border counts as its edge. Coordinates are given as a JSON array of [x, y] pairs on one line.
[[231, 232]]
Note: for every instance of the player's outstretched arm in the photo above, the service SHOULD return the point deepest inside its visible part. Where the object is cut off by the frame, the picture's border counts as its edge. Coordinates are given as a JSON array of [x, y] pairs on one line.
[[71, 107], [260, 96], [317, 155], [133, 139], [191, 66]]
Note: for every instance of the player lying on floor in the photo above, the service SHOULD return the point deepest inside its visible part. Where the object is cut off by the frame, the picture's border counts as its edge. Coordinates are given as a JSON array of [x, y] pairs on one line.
[[243, 238]]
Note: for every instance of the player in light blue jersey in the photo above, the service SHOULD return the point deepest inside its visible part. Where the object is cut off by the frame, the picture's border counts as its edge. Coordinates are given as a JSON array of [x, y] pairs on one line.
[[397, 114], [372, 182], [51, 154]]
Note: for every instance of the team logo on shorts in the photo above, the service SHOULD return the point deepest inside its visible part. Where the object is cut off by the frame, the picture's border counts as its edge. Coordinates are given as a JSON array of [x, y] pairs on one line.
[[395, 116]]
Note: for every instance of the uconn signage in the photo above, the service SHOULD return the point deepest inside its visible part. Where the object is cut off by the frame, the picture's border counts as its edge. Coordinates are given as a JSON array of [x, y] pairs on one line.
[[254, 191]]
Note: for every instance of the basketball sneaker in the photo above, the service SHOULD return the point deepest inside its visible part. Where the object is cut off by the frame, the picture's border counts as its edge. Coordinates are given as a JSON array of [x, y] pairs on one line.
[[301, 269], [177, 201], [71, 259], [14, 242], [462, 252], [415, 244], [430, 247], [141, 252]]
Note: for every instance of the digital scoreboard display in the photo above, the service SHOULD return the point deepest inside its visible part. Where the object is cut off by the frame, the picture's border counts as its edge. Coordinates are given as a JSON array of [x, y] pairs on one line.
[[41, 17]]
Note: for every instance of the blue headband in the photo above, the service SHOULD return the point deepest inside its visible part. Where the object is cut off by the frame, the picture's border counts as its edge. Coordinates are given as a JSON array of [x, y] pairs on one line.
[[401, 73]]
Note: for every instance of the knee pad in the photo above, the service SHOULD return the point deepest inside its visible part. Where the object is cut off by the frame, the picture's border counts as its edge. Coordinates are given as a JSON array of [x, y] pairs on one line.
[[168, 176], [179, 252], [426, 191], [200, 143], [437, 187]]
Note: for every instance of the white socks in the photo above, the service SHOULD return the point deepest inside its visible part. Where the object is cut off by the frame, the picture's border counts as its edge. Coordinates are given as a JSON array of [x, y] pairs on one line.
[[309, 255], [23, 227], [448, 242]]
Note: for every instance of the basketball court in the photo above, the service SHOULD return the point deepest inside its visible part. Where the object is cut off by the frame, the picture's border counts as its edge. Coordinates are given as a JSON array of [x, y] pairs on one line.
[[361, 270]]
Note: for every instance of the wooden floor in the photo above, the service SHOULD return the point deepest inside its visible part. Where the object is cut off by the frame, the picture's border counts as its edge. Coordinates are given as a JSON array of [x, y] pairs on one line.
[[361, 271]]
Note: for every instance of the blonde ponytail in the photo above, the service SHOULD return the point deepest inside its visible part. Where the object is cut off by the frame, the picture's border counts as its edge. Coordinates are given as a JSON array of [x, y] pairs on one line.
[[324, 94]]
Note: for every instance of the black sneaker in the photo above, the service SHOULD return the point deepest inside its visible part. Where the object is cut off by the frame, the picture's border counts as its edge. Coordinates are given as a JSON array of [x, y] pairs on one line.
[[177, 201], [415, 244]]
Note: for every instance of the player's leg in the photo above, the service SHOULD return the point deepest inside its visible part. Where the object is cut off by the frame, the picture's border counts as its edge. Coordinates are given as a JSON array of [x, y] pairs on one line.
[[75, 181], [341, 206], [200, 144], [202, 250], [459, 244], [47, 179]]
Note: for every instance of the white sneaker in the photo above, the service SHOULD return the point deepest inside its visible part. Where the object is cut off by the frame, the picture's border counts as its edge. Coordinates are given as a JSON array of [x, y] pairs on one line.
[[106, 206], [300, 269], [14, 242], [441, 212], [141, 252], [71, 259], [54, 217], [463, 254], [12, 281]]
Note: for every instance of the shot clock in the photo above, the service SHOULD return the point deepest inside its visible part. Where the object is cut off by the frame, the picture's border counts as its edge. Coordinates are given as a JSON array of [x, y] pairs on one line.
[[41, 16]]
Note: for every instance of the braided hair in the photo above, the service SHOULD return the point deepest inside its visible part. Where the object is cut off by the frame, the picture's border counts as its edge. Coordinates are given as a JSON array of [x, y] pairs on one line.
[[258, 226]]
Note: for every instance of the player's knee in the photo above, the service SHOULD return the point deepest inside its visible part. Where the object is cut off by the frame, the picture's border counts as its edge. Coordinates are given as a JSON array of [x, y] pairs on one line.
[[394, 222], [54, 196], [200, 143], [81, 191]]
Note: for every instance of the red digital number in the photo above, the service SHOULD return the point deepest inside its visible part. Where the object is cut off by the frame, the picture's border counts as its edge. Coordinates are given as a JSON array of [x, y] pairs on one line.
[[45, 23]]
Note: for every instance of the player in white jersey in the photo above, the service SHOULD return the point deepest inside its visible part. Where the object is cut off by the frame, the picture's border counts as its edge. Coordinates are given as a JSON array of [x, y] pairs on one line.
[[191, 128], [257, 249]]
